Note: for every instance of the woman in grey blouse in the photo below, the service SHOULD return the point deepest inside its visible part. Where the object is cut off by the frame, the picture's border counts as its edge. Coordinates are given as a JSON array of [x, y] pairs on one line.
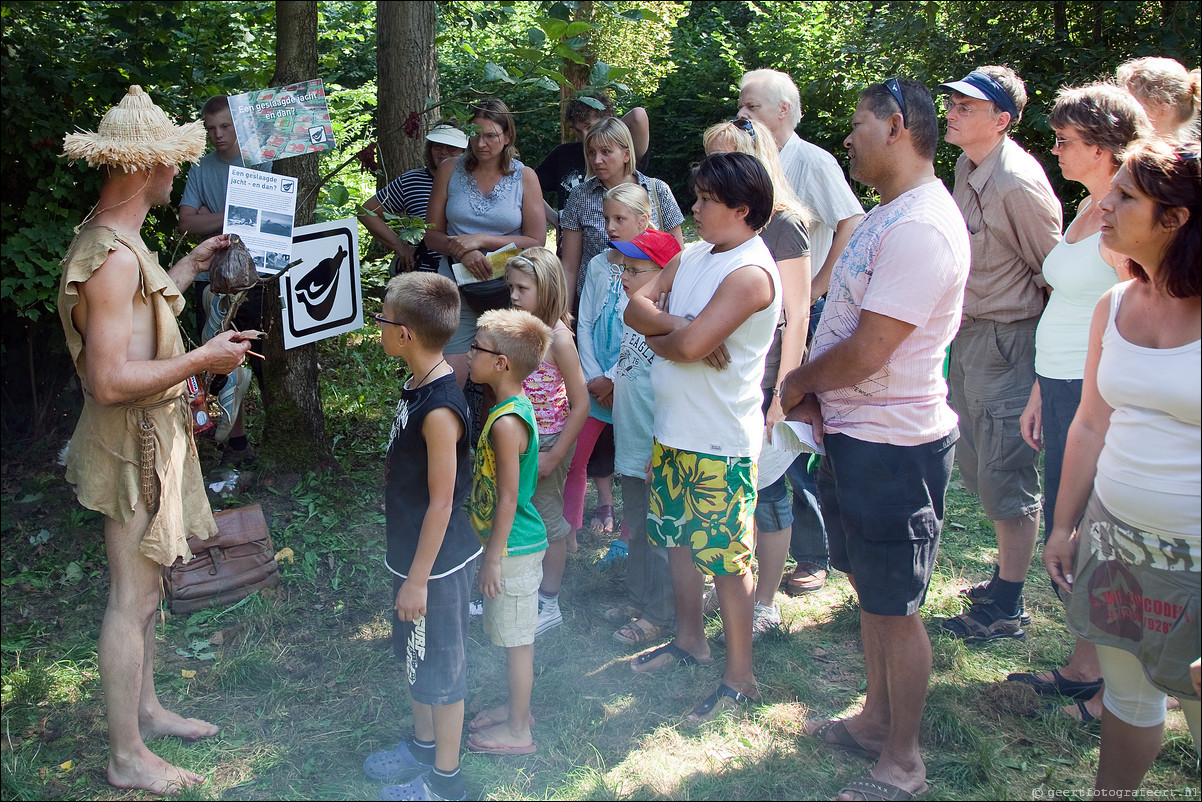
[[609, 159]]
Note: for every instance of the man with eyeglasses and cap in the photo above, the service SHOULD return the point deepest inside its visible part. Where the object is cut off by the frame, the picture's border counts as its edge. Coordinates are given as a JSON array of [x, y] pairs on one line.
[[1013, 220]]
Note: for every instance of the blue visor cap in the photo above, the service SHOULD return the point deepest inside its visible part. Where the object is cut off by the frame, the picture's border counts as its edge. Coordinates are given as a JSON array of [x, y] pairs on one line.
[[983, 87], [630, 249]]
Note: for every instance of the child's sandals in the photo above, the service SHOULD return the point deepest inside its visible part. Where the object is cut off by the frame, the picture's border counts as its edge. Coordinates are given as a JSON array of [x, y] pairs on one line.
[[603, 520]]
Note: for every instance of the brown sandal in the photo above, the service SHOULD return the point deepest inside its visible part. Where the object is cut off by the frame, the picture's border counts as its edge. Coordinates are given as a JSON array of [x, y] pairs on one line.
[[639, 632], [603, 520]]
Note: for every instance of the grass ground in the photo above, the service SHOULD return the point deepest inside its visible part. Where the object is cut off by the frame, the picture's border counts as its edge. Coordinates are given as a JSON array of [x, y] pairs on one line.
[[302, 682]]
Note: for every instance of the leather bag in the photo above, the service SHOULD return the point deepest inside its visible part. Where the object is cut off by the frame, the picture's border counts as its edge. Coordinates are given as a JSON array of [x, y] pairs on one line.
[[227, 567]]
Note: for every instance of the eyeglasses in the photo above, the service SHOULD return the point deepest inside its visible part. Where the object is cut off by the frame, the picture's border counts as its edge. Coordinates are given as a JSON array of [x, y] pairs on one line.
[[474, 347], [491, 136], [962, 109], [745, 126], [1062, 142], [634, 271], [382, 319], [895, 89]]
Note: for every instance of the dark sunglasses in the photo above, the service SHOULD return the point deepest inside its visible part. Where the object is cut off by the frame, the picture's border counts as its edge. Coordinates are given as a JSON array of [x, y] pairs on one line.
[[745, 126], [895, 89]]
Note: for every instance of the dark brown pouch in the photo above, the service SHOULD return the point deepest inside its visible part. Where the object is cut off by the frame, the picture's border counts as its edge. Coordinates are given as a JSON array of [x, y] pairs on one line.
[[227, 567]]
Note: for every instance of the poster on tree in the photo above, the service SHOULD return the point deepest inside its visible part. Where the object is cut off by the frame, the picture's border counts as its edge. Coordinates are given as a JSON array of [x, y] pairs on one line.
[[283, 122]]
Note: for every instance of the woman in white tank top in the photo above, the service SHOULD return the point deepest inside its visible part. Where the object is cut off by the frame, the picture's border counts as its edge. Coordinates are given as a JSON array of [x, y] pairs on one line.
[[1093, 125], [1133, 465]]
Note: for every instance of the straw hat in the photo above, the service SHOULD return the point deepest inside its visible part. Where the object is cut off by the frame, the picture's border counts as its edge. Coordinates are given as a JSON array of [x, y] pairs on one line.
[[137, 135]]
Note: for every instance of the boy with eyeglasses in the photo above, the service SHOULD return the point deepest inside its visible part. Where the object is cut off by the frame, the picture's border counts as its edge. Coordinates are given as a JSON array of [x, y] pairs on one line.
[[431, 546], [508, 347]]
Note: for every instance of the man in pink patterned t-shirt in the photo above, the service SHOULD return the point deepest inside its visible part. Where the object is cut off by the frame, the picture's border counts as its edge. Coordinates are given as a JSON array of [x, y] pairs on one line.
[[874, 390]]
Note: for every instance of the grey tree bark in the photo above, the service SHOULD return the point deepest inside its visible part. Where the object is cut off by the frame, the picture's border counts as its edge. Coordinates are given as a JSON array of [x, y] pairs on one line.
[[407, 66], [294, 433]]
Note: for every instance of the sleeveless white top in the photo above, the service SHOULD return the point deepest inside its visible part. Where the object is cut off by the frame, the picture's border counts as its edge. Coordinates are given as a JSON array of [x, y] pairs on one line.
[[698, 408], [1150, 468], [1079, 277]]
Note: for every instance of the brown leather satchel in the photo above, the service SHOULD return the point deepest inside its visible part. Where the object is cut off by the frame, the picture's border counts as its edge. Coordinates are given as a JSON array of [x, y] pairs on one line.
[[227, 567]]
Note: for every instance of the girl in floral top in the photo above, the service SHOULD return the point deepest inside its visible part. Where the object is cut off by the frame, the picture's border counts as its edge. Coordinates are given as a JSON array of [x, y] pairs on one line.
[[561, 406]]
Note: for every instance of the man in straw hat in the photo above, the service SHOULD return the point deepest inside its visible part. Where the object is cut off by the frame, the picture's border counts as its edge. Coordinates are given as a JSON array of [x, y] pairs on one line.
[[132, 457]]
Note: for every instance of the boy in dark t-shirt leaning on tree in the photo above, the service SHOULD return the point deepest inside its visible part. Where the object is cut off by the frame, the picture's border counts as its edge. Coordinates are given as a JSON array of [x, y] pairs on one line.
[[431, 545]]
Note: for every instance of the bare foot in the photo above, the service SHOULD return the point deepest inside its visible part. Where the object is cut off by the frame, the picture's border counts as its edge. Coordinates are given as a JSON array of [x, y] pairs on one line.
[[492, 718], [164, 723], [501, 740], [149, 772]]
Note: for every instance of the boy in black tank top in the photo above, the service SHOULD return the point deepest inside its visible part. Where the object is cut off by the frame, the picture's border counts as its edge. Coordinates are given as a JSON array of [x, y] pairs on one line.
[[431, 546]]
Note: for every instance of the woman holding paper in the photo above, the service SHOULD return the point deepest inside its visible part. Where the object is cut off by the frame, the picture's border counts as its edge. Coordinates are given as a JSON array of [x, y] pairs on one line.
[[483, 201]]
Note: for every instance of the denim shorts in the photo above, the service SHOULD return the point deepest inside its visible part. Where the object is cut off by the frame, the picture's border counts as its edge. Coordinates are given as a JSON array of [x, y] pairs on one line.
[[434, 647], [773, 509], [883, 507]]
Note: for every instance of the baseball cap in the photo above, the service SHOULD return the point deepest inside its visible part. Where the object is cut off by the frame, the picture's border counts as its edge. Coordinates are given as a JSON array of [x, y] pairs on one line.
[[652, 245], [448, 135], [983, 86]]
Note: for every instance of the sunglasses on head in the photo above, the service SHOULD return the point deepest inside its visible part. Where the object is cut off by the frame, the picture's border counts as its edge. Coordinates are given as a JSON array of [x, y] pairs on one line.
[[745, 126], [895, 89]]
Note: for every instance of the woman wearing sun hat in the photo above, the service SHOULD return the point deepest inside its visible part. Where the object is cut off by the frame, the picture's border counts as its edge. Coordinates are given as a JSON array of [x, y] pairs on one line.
[[409, 196], [132, 457]]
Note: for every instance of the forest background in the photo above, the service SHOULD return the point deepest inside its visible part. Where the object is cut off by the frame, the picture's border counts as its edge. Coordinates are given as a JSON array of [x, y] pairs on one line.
[[63, 64], [300, 677]]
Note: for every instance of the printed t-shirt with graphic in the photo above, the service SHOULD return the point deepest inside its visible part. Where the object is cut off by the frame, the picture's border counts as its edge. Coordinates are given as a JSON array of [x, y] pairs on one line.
[[528, 534], [907, 260]]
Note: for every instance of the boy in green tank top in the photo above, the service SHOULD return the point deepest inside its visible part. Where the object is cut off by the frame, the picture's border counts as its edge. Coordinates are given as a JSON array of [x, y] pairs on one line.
[[509, 345]]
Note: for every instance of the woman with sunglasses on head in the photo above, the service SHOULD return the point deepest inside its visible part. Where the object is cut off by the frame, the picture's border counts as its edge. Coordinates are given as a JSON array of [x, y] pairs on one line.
[[483, 201], [789, 243], [1093, 126], [1132, 469]]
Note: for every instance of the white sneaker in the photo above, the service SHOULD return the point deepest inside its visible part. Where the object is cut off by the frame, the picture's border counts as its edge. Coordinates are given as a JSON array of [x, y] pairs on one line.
[[549, 617], [476, 608], [765, 619]]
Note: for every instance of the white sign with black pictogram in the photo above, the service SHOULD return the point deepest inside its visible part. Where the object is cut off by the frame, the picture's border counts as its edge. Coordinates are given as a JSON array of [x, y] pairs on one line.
[[321, 296]]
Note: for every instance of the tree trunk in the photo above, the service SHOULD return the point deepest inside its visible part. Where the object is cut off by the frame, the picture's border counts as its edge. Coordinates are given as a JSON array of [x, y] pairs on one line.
[[295, 432], [407, 63], [577, 74], [1060, 19]]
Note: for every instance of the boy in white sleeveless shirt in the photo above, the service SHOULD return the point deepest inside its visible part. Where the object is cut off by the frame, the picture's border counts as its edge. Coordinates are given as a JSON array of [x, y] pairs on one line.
[[712, 333]]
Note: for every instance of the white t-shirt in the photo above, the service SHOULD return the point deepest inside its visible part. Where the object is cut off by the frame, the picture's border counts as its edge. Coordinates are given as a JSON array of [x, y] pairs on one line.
[[908, 260], [818, 180], [1149, 470], [698, 408]]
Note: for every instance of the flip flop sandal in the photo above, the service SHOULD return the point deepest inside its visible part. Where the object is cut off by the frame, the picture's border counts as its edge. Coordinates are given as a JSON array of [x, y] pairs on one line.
[[717, 702], [475, 746], [871, 788], [476, 726], [603, 520], [835, 733], [1058, 685], [682, 657], [639, 632], [392, 764], [1085, 720]]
